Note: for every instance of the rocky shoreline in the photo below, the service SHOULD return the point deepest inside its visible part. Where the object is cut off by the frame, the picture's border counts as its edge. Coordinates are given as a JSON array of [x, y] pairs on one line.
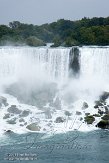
[[100, 119], [102, 108]]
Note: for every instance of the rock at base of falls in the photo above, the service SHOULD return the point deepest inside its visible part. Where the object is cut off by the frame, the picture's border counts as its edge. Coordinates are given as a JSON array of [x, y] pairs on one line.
[[78, 113], [103, 124], [85, 105], [21, 120], [12, 121], [25, 113], [60, 120], [9, 131], [67, 113], [6, 116], [13, 109], [104, 96], [33, 127], [89, 119]]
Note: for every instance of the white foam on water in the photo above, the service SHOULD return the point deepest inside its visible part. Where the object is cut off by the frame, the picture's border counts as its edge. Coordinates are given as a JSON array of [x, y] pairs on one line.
[[35, 66]]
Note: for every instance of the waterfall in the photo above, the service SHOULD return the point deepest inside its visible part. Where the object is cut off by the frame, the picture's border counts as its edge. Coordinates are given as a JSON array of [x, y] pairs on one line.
[[54, 63], [94, 62], [19, 61], [46, 82]]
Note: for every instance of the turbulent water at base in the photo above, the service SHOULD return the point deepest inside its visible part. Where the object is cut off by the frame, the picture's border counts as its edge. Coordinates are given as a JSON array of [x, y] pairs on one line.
[[40, 86]]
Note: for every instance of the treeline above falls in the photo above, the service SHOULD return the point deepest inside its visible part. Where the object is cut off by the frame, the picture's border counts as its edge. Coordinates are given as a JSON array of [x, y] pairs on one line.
[[67, 33]]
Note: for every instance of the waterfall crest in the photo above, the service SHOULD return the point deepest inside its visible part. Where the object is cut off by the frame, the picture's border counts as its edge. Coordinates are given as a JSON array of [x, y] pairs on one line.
[[52, 63]]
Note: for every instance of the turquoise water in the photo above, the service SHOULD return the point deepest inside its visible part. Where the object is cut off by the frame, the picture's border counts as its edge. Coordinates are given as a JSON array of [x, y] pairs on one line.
[[73, 147]]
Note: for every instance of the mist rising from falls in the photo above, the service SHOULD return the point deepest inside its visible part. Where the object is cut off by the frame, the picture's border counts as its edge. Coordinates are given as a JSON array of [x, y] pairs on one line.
[[35, 66], [33, 74], [53, 80]]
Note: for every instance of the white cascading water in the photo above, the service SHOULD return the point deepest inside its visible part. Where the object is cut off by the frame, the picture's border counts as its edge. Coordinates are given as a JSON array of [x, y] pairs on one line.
[[28, 67], [95, 62], [52, 63]]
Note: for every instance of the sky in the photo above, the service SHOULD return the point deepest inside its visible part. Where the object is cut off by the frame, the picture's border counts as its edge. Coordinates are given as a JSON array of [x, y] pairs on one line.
[[46, 11]]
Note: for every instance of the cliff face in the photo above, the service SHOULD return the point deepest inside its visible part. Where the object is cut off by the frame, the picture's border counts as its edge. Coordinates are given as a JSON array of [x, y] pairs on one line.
[[75, 61]]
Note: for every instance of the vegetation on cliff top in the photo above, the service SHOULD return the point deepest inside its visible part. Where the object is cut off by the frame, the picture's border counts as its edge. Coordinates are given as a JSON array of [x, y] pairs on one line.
[[86, 31]]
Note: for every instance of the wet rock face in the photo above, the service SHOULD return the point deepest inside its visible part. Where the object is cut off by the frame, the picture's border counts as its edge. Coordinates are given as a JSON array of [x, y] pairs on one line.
[[6, 116], [98, 104], [60, 120], [100, 112], [87, 114], [12, 121], [89, 119], [21, 120], [102, 100], [103, 124], [106, 110], [96, 115], [103, 111], [67, 113], [74, 61], [104, 96], [13, 109], [33, 127], [78, 113], [85, 105], [25, 113], [105, 117], [9, 132]]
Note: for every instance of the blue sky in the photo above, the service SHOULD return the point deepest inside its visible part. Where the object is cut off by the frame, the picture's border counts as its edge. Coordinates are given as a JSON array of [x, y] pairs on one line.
[[46, 11]]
